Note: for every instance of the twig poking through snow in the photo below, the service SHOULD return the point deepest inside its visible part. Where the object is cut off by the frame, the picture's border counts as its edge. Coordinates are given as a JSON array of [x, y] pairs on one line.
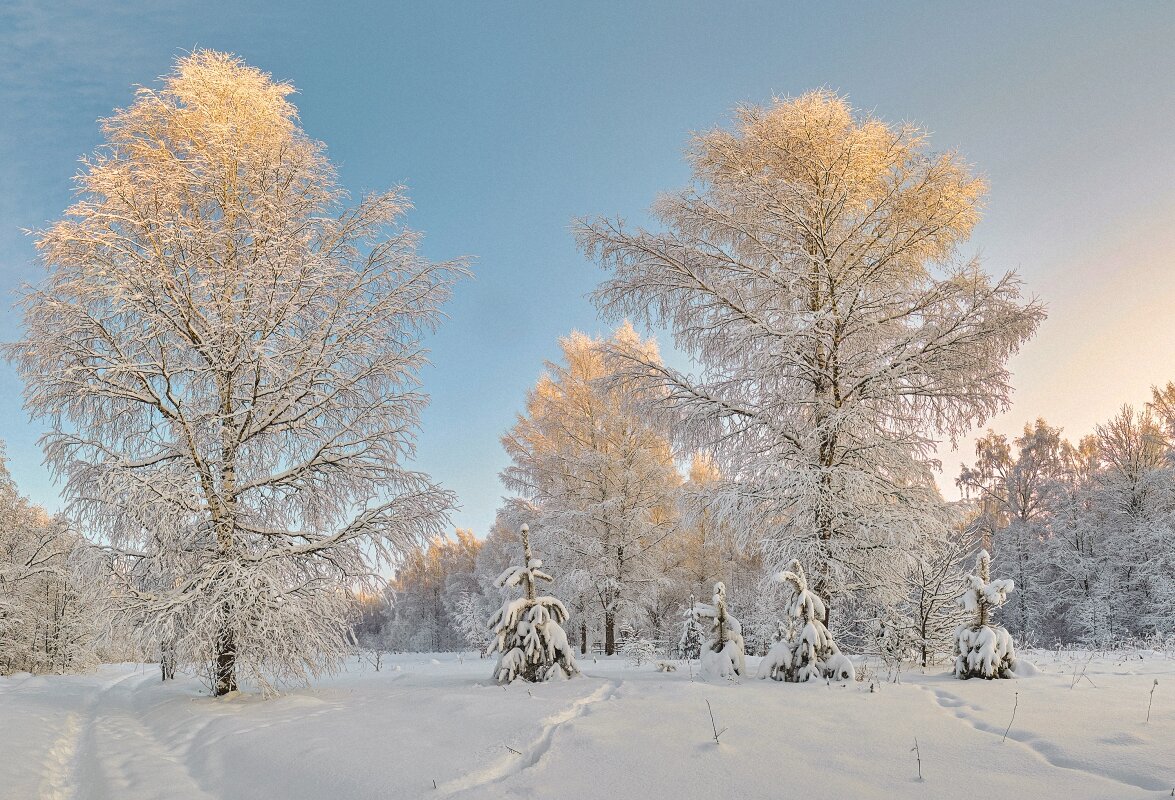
[[1151, 702], [918, 751], [1077, 678], [714, 724], [1013, 719]]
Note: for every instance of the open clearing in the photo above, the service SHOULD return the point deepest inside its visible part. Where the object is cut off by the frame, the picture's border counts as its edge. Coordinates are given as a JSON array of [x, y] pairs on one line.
[[618, 731]]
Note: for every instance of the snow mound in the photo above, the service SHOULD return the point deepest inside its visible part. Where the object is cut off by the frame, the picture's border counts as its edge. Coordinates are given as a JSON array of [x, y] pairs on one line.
[[1022, 668]]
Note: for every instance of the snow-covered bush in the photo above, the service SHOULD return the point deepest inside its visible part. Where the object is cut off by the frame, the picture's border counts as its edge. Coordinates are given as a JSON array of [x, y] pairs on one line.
[[638, 650], [689, 646], [528, 630], [808, 650], [469, 623], [894, 639], [723, 656], [983, 650]]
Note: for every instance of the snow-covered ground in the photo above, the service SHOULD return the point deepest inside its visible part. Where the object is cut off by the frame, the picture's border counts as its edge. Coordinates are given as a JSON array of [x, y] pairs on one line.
[[616, 732]]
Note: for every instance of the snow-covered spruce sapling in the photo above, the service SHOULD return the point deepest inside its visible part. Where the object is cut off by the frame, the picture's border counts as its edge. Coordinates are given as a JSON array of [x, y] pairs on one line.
[[689, 647], [808, 651], [528, 630], [984, 650], [723, 655]]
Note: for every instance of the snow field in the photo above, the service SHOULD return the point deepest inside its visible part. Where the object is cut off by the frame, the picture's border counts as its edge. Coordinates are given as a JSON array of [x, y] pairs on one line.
[[617, 731]]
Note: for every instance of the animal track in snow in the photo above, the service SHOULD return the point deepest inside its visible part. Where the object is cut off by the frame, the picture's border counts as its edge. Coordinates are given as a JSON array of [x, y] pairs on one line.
[[532, 753], [1050, 752]]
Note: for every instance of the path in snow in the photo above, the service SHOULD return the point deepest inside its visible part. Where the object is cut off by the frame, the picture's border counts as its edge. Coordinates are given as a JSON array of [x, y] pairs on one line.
[[119, 756], [105, 750], [58, 779], [653, 740]]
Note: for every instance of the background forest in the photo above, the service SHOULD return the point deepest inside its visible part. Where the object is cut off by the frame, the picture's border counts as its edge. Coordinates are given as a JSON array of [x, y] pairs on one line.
[[1086, 531]]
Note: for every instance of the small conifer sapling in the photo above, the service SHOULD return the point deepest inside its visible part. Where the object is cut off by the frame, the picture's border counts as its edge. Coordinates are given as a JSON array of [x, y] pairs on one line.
[[528, 630], [983, 649], [723, 655], [689, 647], [807, 651]]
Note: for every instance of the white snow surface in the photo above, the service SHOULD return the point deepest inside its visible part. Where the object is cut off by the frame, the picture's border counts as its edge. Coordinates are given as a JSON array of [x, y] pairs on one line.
[[617, 731]]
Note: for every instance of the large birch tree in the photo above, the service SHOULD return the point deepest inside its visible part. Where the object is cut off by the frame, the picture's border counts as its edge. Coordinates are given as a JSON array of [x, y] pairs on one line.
[[812, 272], [227, 352]]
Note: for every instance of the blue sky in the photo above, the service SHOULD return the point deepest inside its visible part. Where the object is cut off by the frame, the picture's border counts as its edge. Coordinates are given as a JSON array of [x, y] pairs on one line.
[[506, 120]]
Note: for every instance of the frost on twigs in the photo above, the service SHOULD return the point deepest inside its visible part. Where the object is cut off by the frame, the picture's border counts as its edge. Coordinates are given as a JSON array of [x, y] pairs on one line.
[[722, 655], [894, 639], [983, 650], [807, 652], [528, 629]]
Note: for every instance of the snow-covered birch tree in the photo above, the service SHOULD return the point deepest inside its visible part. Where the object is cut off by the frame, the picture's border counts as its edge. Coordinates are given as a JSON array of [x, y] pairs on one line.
[[227, 352], [601, 482], [812, 271], [934, 581], [426, 590], [1021, 488], [1018, 486], [1128, 583]]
